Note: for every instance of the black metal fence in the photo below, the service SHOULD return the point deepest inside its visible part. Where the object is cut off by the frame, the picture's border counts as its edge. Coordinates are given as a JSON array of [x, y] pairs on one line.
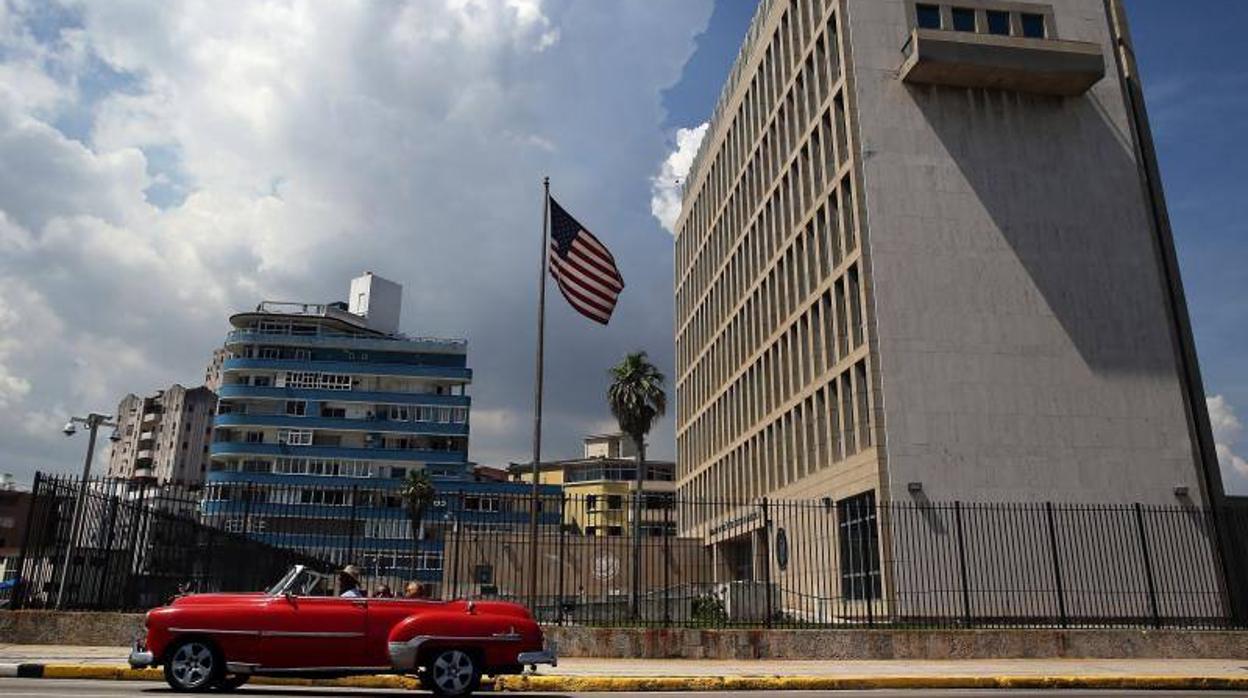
[[134, 547], [809, 563]]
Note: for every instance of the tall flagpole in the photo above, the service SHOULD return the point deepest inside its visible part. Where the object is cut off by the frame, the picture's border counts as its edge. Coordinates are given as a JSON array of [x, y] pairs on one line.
[[537, 396]]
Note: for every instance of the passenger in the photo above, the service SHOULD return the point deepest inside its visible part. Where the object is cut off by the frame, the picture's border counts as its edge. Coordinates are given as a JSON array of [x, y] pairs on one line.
[[349, 582], [415, 590], [383, 592]]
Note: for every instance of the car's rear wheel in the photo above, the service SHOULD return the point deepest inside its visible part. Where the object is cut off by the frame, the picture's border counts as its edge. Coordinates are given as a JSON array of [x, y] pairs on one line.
[[231, 682], [452, 672], [193, 665]]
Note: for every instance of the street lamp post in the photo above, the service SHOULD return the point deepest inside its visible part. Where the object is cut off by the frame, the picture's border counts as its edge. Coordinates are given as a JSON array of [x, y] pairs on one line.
[[92, 422]]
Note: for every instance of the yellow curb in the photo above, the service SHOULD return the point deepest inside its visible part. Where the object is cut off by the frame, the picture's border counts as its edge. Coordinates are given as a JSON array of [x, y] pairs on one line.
[[591, 684], [89, 671]]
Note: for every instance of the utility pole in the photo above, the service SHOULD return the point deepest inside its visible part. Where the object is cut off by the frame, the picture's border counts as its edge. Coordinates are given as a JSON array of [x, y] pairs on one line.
[[92, 422]]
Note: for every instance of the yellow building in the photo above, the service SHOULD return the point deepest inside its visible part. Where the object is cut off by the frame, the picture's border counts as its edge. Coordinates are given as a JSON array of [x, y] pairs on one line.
[[599, 488]]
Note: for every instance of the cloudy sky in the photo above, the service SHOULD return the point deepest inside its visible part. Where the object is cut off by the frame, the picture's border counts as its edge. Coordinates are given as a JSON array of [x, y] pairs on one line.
[[165, 164]]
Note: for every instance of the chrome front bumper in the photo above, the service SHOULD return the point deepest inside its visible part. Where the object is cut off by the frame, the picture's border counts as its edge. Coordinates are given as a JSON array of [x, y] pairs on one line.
[[547, 655], [140, 657]]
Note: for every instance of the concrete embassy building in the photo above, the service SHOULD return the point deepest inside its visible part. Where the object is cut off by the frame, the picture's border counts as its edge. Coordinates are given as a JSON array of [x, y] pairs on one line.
[[164, 437], [923, 256]]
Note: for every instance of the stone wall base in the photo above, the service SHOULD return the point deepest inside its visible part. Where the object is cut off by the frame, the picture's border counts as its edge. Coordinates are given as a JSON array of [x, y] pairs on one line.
[[117, 629]]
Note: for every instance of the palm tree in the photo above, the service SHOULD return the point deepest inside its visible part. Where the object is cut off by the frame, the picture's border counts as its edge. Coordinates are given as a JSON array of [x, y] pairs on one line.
[[417, 493], [636, 399]]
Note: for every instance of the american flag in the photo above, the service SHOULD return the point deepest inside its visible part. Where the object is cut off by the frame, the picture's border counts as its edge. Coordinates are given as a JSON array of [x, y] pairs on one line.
[[582, 266]]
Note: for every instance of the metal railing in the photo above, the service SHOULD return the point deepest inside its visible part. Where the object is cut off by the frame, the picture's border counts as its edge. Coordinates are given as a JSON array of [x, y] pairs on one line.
[[697, 563]]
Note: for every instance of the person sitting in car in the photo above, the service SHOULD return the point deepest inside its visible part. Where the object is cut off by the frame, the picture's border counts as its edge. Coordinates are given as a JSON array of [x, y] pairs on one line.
[[349, 582]]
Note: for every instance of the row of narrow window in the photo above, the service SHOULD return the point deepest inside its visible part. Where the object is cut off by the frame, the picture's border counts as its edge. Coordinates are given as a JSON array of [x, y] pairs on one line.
[[756, 140], [820, 248], [968, 19], [831, 424], [828, 330], [815, 166]]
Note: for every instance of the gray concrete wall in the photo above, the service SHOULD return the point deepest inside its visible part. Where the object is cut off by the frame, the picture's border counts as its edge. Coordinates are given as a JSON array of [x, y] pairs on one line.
[[1024, 344], [118, 629]]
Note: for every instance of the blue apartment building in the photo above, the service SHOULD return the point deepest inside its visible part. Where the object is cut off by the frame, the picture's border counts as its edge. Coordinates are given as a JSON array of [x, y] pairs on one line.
[[323, 410]]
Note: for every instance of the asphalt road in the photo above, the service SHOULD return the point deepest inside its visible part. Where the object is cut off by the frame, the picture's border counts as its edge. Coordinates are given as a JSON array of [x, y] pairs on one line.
[[29, 688]]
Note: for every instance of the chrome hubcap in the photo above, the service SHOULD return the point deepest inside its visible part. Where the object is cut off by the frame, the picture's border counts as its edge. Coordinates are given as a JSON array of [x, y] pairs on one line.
[[192, 664], [452, 671]]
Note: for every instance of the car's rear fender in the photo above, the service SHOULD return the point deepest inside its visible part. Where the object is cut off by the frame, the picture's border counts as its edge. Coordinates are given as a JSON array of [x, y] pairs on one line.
[[496, 639]]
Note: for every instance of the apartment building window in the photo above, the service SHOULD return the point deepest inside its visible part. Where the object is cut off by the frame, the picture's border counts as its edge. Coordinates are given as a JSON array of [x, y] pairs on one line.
[[591, 502], [998, 22], [295, 437], [482, 504], [927, 16], [297, 408], [615, 501], [256, 466], [335, 498], [860, 556], [255, 437], [963, 19], [1032, 25], [270, 353], [261, 381]]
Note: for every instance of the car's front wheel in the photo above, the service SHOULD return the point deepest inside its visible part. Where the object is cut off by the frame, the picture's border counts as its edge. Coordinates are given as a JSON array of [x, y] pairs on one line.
[[193, 665], [452, 672]]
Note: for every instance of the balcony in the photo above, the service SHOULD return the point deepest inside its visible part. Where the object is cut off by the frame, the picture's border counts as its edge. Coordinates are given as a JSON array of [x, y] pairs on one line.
[[240, 448], [361, 368], [236, 419], [339, 340], [965, 59], [238, 390], [144, 455]]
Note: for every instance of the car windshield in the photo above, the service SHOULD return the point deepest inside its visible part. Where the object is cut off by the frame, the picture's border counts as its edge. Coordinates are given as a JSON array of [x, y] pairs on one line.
[[302, 581]]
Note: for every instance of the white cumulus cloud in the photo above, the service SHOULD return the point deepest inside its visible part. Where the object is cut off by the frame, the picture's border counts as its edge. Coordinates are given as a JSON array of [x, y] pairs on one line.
[[666, 186], [1226, 432], [163, 165]]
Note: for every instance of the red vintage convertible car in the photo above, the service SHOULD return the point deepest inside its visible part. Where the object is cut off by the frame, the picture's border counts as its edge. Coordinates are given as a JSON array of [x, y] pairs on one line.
[[298, 628]]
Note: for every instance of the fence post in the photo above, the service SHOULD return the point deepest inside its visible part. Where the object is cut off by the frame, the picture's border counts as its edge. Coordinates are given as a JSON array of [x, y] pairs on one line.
[[248, 494], [108, 546], [459, 498], [19, 582], [1057, 564], [865, 556], [563, 534], [355, 495], [130, 598], [767, 558], [667, 562], [1148, 565], [966, 591]]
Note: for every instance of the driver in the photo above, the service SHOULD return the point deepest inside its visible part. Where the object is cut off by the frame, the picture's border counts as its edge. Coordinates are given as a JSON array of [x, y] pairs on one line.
[[349, 582]]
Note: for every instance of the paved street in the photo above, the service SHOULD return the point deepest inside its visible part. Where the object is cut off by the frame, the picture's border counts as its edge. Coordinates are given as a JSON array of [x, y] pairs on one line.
[[29, 688]]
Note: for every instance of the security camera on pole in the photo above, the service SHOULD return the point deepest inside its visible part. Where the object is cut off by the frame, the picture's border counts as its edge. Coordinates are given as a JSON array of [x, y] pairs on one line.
[[92, 422]]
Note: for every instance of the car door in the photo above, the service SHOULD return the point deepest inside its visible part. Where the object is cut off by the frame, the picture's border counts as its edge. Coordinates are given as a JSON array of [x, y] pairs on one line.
[[315, 632]]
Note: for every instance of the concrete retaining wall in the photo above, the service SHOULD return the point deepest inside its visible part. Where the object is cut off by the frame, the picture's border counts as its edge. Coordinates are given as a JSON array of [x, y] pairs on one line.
[[66, 628]]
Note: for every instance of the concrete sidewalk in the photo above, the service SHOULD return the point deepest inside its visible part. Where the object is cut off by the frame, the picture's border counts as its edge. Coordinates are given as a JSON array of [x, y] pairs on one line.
[[576, 674]]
